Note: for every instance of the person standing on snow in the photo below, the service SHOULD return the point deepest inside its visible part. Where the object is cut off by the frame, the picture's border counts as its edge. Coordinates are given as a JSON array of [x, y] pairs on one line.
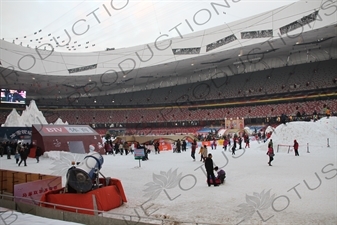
[[296, 148], [23, 155], [234, 145], [327, 112], [210, 170], [193, 148], [240, 142], [246, 139], [38, 153], [205, 153], [213, 145], [178, 146], [225, 143], [270, 152]]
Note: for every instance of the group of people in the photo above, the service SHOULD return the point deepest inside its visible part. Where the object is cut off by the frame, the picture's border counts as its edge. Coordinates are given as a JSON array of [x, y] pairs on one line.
[[302, 116], [14, 95], [271, 153], [211, 179], [206, 158], [21, 151], [180, 146], [121, 148], [118, 147], [237, 140]]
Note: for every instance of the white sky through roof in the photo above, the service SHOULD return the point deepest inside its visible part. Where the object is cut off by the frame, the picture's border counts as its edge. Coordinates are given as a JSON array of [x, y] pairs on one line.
[[116, 24]]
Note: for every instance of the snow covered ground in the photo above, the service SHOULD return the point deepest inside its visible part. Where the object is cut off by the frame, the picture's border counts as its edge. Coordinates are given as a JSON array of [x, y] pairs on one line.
[[295, 190], [11, 217]]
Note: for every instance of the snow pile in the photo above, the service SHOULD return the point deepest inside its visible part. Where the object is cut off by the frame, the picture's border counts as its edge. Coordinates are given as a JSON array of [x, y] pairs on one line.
[[13, 120], [31, 115], [55, 155], [60, 122], [311, 133]]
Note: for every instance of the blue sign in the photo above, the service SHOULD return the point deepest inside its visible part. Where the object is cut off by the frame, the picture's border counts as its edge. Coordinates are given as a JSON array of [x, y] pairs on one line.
[[10, 133], [139, 153]]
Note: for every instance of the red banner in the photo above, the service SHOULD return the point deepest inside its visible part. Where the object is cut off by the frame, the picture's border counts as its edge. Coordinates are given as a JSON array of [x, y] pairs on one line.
[[35, 189], [165, 145]]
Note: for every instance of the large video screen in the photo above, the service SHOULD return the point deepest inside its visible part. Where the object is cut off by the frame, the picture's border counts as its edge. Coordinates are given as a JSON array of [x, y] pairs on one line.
[[13, 96]]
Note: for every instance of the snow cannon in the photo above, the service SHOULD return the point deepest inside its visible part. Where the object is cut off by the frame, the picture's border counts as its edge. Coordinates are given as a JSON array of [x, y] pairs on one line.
[[85, 191], [84, 177]]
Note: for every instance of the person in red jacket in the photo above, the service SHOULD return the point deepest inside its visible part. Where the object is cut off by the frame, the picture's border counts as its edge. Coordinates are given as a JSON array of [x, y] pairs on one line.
[[270, 152], [296, 148], [246, 139], [225, 143]]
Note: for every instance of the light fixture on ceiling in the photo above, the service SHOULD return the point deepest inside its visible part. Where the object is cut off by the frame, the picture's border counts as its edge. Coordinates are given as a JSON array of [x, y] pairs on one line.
[[241, 53], [300, 40]]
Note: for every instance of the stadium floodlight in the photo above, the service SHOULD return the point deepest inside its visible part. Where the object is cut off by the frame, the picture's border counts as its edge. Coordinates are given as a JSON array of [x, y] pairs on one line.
[[300, 40], [241, 53]]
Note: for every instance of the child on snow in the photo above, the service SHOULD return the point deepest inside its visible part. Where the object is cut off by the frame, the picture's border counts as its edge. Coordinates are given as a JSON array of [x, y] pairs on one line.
[[17, 156], [221, 174]]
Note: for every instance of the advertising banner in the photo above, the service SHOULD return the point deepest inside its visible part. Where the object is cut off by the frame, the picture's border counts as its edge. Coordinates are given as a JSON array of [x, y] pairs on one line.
[[139, 153], [34, 190], [165, 145]]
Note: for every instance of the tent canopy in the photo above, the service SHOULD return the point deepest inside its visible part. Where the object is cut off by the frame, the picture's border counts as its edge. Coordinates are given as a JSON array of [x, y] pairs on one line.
[[73, 138]]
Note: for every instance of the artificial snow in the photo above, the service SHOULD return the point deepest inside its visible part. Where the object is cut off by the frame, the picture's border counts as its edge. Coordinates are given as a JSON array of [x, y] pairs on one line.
[[294, 190]]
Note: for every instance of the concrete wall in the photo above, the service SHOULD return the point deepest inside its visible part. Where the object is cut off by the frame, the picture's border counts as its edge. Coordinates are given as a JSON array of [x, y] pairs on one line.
[[63, 215]]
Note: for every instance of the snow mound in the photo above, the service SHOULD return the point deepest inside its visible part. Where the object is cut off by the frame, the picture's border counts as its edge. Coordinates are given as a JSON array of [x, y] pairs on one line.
[[311, 133], [31, 115], [60, 122], [55, 155], [13, 120]]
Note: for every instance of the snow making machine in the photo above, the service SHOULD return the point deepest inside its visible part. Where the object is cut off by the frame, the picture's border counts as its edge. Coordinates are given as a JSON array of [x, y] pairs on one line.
[[87, 190]]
